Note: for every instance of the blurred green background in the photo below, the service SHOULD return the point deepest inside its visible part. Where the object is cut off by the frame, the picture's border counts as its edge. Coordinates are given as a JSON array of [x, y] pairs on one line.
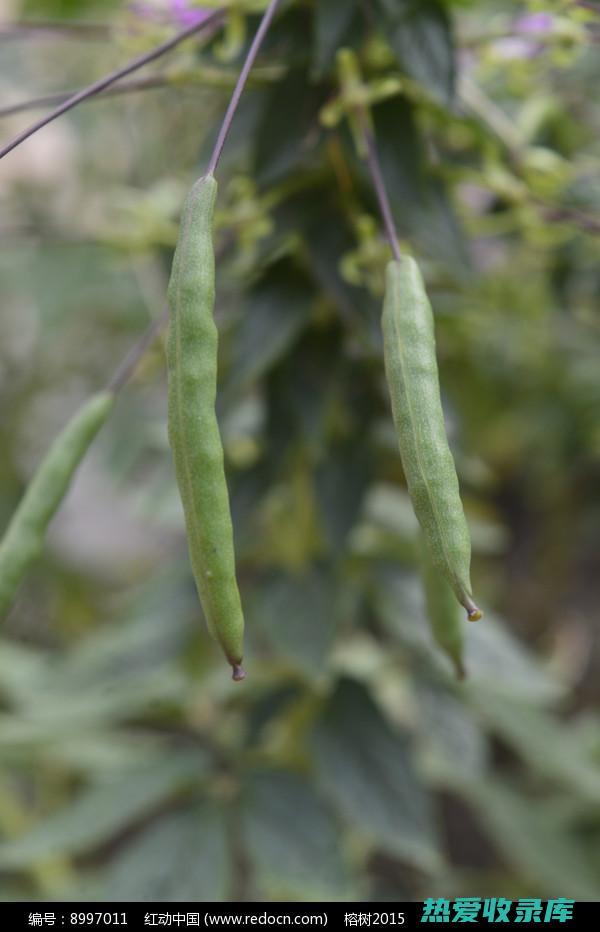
[[350, 764]]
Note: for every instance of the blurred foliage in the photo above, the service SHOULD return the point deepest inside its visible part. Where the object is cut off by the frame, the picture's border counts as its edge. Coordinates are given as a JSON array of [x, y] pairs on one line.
[[350, 764]]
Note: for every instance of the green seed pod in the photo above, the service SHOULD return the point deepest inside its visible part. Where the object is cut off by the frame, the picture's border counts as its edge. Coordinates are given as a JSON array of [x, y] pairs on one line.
[[443, 612], [24, 538], [412, 376], [193, 428]]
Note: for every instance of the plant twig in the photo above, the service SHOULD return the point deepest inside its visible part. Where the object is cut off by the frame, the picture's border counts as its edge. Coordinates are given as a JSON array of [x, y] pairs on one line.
[[564, 213], [104, 82], [507, 133], [65, 29], [130, 363], [214, 77], [374, 166], [49, 100], [589, 5], [493, 116], [241, 83]]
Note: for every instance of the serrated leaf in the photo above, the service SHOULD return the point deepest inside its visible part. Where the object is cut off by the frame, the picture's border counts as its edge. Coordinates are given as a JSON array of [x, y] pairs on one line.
[[340, 483], [401, 152], [102, 811], [505, 665], [297, 614], [493, 656], [327, 238], [419, 199], [184, 857], [275, 311], [439, 233], [421, 36], [289, 132], [291, 840], [22, 670], [54, 712], [449, 729], [368, 772], [533, 840], [550, 748], [332, 25]]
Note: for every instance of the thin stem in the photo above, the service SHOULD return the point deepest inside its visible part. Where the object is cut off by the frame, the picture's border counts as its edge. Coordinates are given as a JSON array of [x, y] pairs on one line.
[[207, 77], [65, 29], [589, 5], [49, 100], [103, 83], [130, 363], [504, 129], [493, 116], [586, 222], [374, 166], [241, 83]]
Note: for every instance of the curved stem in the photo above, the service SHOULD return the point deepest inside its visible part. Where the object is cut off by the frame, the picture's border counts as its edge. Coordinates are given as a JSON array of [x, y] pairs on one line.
[[65, 29], [381, 192], [207, 77], [130, 363], [50, 100], [109, 79], [241, 83]]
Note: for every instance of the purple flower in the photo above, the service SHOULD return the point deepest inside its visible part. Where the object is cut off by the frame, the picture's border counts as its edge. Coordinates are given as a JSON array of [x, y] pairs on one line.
[[179, 11], [186, 16], [534, 24]]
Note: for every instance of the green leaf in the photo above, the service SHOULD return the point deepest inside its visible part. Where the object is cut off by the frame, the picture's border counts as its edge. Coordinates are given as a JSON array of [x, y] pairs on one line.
[[439, 233], [421, 36], [402, 154], [333, 22], [302, 390], [291, 840], [274, 313], [297, 614], [341, 483], [505, 665], [289, 133], [532, 839], [63, 712], [493, 656], [103, 810], [550, 748], [183, 857], [449, 730], [419, 199], [22, 670], [327, 238], [368, 772]]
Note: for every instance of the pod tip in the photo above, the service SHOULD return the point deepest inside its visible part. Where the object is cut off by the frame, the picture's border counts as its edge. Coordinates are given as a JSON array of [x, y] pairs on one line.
[[475, 614], [239, 673], [461, 673]]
